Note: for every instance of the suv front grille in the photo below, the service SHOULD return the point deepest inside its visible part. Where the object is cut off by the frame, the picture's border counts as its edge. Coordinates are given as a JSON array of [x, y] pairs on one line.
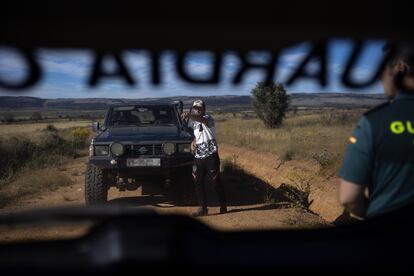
[[147, 149]]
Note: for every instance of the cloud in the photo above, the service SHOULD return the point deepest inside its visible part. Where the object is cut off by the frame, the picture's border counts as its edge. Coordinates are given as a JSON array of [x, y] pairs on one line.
[[69, 63], [67, 68]]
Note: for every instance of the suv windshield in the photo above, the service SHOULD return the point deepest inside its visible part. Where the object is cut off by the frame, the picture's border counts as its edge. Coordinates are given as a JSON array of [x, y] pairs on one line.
[[142, 116]]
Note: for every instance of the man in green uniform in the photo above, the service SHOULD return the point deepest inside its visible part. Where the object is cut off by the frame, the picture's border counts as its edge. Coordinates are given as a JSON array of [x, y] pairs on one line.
[[377, 175]]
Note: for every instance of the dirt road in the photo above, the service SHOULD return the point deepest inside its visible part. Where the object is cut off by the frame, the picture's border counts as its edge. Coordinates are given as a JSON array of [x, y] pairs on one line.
[[255, 199]]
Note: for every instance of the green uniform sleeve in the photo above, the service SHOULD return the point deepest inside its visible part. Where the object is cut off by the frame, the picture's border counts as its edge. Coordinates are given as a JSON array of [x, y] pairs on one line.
[[359, 157]]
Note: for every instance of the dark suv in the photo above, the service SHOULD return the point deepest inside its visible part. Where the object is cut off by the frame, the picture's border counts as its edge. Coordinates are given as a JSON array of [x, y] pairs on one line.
[[137, 143]]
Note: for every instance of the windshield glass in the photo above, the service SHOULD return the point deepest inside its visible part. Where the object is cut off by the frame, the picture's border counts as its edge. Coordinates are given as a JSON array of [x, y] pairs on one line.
[[269, 135], [142, 116]]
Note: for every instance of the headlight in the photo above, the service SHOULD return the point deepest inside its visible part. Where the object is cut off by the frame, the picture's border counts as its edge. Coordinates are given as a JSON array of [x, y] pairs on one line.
[[117, 149], [101, 150], [186, 148], [168, 148]]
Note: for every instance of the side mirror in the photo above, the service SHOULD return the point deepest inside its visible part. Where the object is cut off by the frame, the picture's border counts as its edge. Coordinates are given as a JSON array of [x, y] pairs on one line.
[[95, 126]]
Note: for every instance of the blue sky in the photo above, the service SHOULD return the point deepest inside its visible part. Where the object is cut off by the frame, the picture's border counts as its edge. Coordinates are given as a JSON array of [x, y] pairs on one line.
[[66, 72]]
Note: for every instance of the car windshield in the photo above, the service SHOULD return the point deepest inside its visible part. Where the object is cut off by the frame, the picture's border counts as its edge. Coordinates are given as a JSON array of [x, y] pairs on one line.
[[142, 116], [269, 127]]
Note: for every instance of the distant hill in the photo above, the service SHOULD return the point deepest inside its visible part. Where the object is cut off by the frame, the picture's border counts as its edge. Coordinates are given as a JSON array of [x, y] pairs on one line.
[[227, 102]]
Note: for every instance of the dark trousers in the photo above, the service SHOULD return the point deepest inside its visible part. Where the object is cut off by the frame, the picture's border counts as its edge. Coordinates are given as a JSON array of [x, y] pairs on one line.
[[208, 170]]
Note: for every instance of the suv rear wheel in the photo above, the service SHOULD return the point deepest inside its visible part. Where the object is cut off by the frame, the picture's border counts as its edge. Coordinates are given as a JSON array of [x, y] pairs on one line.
[[96, 188]]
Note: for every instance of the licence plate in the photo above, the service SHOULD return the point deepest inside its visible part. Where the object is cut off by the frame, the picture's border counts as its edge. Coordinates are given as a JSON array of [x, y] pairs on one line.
[[144, 162]]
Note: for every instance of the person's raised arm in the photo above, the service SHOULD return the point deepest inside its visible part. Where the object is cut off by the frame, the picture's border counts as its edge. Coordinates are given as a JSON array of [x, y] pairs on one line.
[[198, 118]]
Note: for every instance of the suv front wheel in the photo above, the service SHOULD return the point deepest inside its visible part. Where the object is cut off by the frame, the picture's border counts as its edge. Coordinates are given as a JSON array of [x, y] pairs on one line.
[[96, 189]]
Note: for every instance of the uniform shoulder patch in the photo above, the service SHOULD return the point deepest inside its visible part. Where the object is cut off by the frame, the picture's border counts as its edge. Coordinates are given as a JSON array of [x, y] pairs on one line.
[[353, 140], [377, 108]]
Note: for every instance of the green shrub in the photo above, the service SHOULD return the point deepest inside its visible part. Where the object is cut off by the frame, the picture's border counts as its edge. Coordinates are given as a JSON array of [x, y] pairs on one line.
[[270, 102]]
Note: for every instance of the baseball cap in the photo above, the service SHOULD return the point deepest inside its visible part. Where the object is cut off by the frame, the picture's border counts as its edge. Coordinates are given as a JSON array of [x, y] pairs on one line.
[[198, 103]]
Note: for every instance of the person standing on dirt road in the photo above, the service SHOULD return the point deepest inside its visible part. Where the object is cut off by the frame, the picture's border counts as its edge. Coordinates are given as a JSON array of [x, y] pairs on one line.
[[377, 175], [207, 160]]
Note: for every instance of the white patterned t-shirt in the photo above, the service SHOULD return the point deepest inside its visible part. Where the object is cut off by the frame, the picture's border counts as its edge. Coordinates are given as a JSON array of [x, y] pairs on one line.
[[205, 137]]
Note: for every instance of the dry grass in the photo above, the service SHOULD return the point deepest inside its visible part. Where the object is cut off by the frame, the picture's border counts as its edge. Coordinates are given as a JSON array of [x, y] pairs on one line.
[[33, 128], [30, 163], [30, 182], [318, 137]]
